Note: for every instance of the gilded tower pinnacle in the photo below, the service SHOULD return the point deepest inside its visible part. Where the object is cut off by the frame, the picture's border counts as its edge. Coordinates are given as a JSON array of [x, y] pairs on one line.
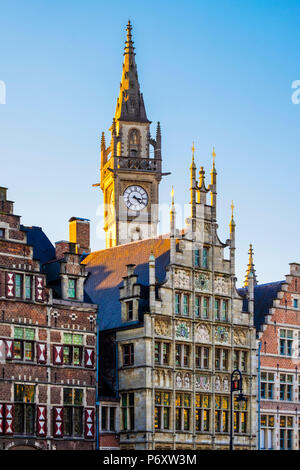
[[250, 268]]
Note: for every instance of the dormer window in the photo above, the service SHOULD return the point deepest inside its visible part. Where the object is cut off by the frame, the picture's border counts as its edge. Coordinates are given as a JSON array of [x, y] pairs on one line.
[[129, 310], [72, 288]]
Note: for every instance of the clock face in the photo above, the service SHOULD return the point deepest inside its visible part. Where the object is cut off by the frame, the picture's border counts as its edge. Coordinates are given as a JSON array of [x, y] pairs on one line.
[[135, 198]]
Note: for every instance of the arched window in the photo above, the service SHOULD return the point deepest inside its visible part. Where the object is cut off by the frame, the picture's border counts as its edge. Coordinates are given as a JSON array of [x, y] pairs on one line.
[[134, 143]]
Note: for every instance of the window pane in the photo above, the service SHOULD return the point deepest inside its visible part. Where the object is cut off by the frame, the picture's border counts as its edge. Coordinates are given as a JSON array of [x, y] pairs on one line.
[[19, 418], [29, 419], [78, 396], [77, 412], [68, 396]]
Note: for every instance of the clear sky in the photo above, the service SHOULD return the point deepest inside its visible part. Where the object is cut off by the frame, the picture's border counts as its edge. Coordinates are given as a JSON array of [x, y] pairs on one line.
[[214, 72]]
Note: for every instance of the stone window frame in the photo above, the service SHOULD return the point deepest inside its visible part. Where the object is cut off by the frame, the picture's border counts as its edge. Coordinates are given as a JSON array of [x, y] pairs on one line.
[[286, 387], [201, 410], [160, 407], [202, 357], [127, 353], [161, 353], [109, 417], [224, 357], [185, 350], [286, 433], [183, 411], [285, 342], [267, 430], [181, 296], [239, 363]]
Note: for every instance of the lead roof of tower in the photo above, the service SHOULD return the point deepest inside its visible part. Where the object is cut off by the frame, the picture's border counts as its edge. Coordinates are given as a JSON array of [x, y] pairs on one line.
[[130, 103]]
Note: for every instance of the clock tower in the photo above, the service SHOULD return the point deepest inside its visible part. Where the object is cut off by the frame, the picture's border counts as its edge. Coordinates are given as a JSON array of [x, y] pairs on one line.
[[131, 165]]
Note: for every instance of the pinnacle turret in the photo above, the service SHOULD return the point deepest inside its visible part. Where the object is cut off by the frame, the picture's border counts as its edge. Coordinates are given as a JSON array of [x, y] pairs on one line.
[[250, 268]]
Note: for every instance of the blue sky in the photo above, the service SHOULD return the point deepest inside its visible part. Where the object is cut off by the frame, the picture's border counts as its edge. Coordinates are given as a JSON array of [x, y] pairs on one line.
[[214, 72]]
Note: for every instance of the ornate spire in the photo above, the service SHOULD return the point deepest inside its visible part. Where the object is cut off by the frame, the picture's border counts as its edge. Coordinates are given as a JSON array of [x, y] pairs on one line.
[[232, 222], [250, 268], [130, 104], [214, 156]]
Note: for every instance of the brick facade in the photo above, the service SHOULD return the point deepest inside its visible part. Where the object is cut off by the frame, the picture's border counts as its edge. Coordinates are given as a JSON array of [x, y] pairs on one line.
[[47, 343], [279, 336]]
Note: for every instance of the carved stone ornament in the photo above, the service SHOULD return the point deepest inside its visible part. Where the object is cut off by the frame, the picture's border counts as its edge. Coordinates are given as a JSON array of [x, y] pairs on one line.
[[162, 328], [178, 381], [202, 382], [221, 334], [187, 381], [225, 384], [217, 384], [202, 282], [202, 334], [182, 330], [239, 336], [221, 285], [181, 279]]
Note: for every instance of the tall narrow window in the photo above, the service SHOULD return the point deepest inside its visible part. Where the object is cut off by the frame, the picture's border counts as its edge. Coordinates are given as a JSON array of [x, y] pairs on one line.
[[205, 303], [177, 303], [197, 258], [202, 412], [18, 286], [221, 413], [162, 410], [205, 257], [217, 309], [73, 411], [24, 397], [128, 354], [185, 304], [197, 306], [28, 288], [182, 412], [127, 411], [72, 288], [129, 307]]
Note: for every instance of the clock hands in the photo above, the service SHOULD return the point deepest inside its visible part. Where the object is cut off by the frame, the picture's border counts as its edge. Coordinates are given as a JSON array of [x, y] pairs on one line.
[[138, 199]]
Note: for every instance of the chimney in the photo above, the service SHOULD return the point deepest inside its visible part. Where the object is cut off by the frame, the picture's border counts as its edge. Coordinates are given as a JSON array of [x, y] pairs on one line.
[[7, 207], [61, 248], [79, 234]]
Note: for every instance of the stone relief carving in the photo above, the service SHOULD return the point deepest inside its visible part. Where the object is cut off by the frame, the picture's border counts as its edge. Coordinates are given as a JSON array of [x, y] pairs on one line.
[[162, 378], [226, 384], [178, 381], [202, 382], [182, 279], [187, 381], [239, 336], [207, 227], [202, 334], [182, 330], [202, 282], [217, 384], [221, 334], [221, 285], [162, 328]]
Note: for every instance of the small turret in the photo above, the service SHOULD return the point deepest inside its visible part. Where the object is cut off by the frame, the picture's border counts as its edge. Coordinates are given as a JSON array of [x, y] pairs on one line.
[[193, 187], [152, 282], [103, 151], [157, 150], [172, 229], [213, 186], [232, 241]]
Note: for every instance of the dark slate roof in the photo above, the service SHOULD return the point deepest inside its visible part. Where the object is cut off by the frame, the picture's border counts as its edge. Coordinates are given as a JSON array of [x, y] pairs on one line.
[[107, 268], [264, 294], [43, 249]]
